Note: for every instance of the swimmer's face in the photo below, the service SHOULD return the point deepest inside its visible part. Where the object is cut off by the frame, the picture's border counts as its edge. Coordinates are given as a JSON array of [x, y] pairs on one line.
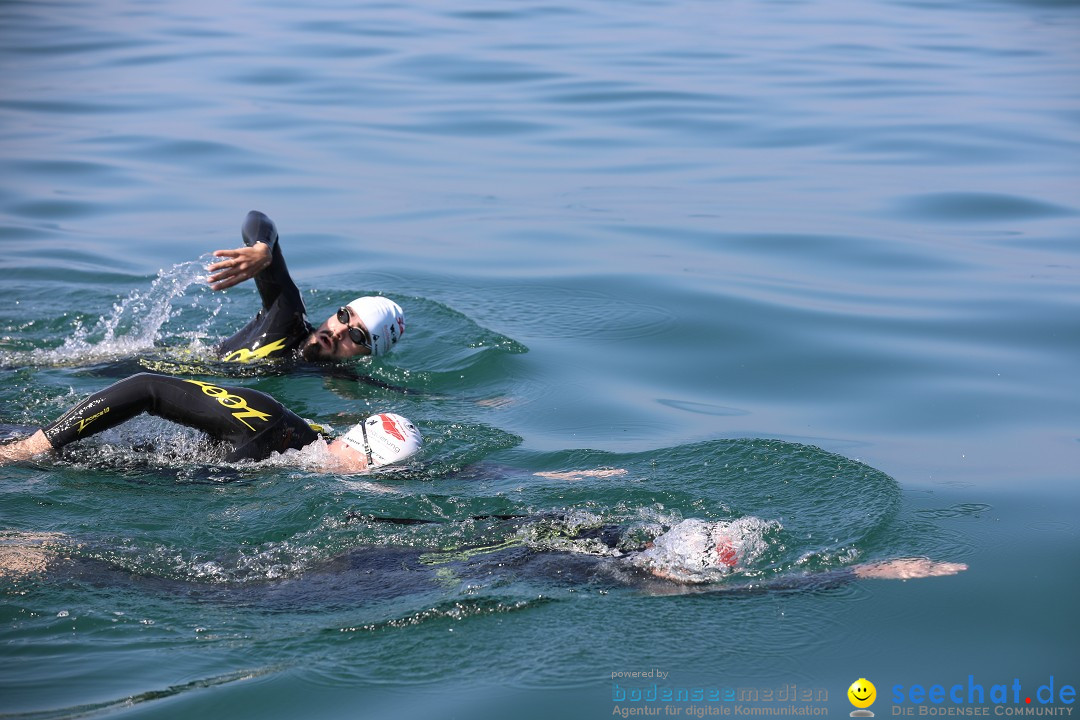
[[346, 458], [342, 336]]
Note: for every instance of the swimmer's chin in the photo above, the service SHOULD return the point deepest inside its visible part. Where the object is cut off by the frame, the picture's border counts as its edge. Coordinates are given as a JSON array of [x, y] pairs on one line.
[[332, 458], [322, 347], [313, 352]]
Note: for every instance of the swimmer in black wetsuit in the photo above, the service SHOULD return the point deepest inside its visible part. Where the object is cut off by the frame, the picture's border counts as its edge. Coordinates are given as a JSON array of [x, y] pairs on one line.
[[251, 425], [366, 326]]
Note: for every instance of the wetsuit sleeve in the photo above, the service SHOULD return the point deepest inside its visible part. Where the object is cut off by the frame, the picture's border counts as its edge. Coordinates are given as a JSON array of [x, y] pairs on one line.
[[252, 423], [281, 326], [274, 281]]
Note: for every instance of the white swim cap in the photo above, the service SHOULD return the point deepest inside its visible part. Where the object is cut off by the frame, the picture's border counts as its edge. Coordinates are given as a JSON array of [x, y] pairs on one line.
[[384, 438], [384, 320], [698, 551]]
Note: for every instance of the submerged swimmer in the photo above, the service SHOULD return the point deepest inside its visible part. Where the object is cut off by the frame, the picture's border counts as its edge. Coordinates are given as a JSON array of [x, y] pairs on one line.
[[551, 548], [250, 425], [366, 326], [692, 555]]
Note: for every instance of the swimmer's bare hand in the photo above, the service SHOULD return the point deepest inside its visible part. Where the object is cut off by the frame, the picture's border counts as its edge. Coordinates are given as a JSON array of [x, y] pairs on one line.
[[573, 475], [25, 449], [907, 569], [240, 264], [27, 553]]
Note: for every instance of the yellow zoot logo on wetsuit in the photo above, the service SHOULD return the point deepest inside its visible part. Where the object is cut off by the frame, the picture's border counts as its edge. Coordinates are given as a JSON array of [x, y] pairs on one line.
[[244, 355], [232, 402]]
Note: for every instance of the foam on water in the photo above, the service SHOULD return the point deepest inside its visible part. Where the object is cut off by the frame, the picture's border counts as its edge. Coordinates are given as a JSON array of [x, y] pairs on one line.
[[560, 534]]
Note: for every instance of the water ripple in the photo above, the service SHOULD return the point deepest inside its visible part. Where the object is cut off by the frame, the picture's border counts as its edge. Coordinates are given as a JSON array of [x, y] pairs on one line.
[[574, 313], [455, 69], [978, 207], [139, 699], [55, 209]]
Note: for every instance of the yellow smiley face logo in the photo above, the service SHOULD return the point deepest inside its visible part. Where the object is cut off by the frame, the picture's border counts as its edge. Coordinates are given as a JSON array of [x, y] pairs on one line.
[[862, 693]]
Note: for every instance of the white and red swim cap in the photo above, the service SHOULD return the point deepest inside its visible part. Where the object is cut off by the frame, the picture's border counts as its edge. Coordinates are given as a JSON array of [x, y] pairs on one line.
[[384, 320], [384, 439], [701, 551]]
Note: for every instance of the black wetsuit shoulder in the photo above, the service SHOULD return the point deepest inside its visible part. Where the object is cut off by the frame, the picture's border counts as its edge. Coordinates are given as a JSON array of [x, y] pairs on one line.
[[281, 325], [253, 423]]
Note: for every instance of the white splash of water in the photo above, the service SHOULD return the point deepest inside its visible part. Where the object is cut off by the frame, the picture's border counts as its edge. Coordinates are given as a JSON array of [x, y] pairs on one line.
[[560, 533], [136, 322]]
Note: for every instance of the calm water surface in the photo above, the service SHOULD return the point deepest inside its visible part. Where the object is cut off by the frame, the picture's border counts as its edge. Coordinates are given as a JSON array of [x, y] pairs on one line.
[[815, 263]]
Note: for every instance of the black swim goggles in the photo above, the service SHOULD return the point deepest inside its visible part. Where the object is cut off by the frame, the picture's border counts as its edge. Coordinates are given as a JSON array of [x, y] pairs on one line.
[[359, 336]]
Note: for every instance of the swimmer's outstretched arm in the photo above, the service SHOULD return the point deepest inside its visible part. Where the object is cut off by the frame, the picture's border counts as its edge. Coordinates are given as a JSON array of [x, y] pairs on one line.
[[906, 569], [259, 253], [260, 258], [25, 449], [898, 569]]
